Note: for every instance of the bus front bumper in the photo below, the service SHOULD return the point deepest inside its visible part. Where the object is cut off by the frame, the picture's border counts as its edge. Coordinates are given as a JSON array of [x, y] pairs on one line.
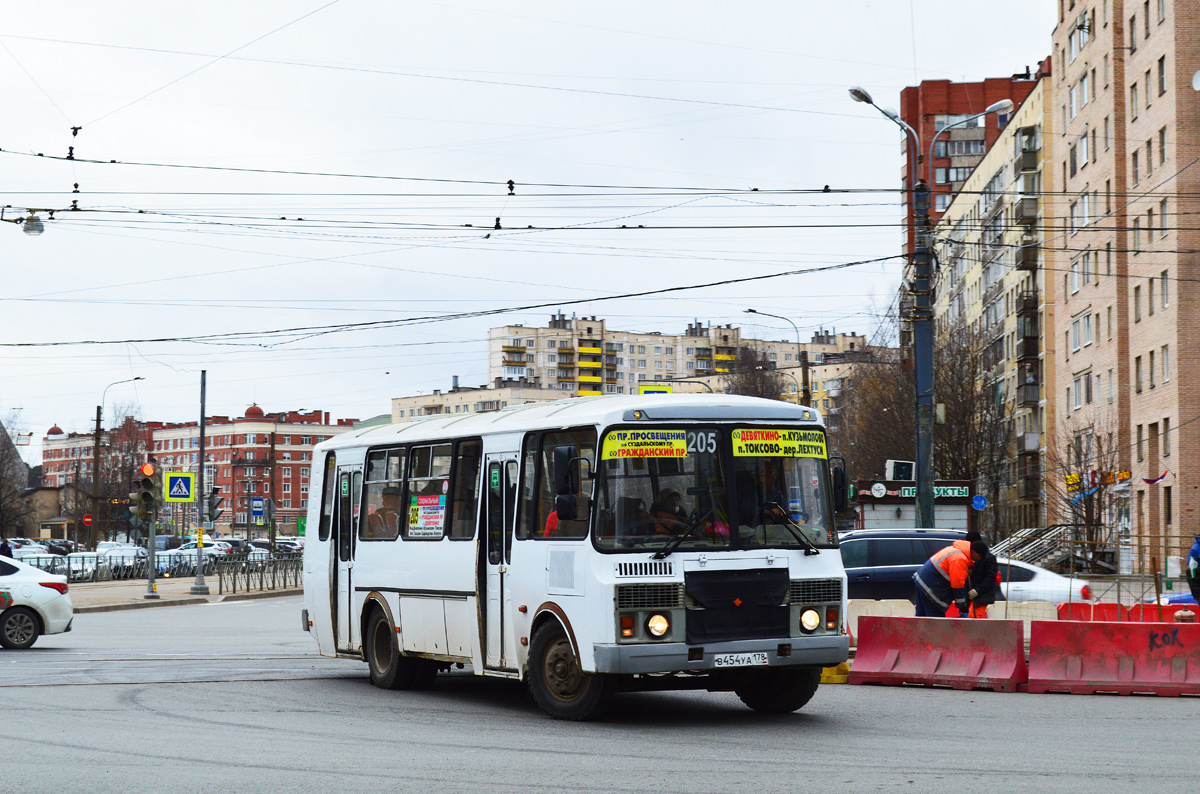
[[669, 657]]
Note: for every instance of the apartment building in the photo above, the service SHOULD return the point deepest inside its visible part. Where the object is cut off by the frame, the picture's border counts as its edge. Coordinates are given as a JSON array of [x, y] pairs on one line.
[[1128, 377], [258, 455], [473, 399], [934, 105], [582, 356], [994, 283]]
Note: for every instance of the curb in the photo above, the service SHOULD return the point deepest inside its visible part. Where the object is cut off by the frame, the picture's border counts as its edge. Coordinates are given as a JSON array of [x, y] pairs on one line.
[[179, 602]]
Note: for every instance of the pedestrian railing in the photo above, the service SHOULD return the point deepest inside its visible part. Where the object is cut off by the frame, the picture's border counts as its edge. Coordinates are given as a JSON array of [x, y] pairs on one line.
[[253, 572]]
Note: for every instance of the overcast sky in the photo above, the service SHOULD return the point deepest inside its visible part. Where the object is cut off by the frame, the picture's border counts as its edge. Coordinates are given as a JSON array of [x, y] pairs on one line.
[[603, 114]]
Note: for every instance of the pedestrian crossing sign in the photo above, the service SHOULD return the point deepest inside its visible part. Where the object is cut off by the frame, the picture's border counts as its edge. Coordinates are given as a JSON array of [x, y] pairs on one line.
[[179, 487]]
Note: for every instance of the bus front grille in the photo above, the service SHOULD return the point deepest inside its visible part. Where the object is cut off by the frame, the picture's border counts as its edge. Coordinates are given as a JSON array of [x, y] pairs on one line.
[[814, 591], [649, 596]]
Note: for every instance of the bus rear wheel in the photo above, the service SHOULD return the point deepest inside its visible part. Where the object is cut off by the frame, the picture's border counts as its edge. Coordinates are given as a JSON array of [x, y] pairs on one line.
[[557, 682], [779, 690], [389, 669]]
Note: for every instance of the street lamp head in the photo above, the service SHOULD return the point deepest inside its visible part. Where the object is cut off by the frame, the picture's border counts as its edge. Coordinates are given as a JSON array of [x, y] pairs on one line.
[[859, 94], [1003, 106], [891, 114], [33, 225]]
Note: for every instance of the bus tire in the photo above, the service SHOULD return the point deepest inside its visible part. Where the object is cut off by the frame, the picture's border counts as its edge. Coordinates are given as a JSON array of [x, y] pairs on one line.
[[779, 690], [558, 684], [390, 669], [19, 628]]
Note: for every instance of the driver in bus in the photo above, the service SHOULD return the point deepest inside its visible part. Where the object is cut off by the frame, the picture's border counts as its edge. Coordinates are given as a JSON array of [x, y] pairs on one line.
[[667, 511], [385, 521]]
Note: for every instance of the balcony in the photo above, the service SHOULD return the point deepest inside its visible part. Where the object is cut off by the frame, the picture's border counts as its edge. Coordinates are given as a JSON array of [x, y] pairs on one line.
[[589, 393], [1027, 303], [590, 379], [513, 362], [1027, 257], [589, 365], [513, 348], [1028, 442], [1030, 489], [1025, 210], [1027, 347], [725, 357], [1027, 161], [591, 351], [1028, 394]]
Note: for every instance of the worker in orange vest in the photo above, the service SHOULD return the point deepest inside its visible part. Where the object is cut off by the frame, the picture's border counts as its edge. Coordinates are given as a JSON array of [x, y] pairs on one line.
[[943, 579]]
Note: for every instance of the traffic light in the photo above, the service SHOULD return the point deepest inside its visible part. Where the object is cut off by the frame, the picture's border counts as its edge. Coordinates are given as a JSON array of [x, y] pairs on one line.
[[146, 499], [214, 505]]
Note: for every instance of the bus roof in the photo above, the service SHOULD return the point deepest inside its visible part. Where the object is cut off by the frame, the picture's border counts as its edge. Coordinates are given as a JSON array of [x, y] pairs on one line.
[[604, 410]]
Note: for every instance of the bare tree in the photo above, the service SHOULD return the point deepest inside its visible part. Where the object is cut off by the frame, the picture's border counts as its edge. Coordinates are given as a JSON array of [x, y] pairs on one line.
[[123, 450], [753, 375], [15, 508]]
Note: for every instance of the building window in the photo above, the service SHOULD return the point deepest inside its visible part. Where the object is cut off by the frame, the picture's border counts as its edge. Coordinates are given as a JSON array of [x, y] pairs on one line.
[[1163, 289], [1140, 453], [1162, 218], [1162, 75], [1150, 369], [1133, 100], [1134, 162], [1166, 363], [1162, 145], [1137, 374], [1137, 304], [1166, 437]]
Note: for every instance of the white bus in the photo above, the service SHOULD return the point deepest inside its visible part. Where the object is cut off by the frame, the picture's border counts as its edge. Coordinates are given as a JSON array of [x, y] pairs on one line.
[[587, 546]]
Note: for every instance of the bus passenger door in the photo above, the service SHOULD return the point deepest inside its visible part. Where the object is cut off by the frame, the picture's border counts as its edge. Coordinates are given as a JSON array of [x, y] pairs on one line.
[[349, 491], [498, 522]]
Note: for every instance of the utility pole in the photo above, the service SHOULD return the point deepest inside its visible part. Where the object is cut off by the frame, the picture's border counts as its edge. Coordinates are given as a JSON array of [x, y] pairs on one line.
[[805, 391], [96, 479], [200, 587], [922, 321], [270, 503]]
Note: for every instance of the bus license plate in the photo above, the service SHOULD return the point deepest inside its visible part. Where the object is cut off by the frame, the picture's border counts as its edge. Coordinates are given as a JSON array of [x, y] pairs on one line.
[[739, 659]]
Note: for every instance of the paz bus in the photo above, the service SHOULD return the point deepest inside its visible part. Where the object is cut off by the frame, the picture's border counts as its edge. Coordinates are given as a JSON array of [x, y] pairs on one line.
[[588, 546]]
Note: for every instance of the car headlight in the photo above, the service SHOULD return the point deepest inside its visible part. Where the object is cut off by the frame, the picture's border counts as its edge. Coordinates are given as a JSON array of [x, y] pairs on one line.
[[809, 620], [658, 625]]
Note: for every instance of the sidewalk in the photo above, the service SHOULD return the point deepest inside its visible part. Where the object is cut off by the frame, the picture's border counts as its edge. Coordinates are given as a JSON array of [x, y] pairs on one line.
[[130, 594]]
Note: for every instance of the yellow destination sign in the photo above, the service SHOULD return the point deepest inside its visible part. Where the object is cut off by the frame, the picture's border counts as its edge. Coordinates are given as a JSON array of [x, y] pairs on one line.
[[771, 443], [645, 444]]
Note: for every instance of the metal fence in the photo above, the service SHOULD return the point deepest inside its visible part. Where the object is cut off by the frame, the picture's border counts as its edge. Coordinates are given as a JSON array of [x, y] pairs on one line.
[[258, 570], [273, 572]]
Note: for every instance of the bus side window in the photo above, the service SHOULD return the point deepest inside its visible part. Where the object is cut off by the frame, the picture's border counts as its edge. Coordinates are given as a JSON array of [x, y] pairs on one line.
[[584, 442], [510, 497], [527, 518], [466, 490], [495, 513], [345, 519], [328, 490]]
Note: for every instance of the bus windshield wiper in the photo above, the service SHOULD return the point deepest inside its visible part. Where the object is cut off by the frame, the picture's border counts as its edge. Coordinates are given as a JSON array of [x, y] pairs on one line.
[[678, 536], [795, 529]]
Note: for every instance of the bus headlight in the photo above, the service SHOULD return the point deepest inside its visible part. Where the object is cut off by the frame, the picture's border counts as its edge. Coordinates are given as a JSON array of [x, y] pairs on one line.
[[658, 625], [809, 620]]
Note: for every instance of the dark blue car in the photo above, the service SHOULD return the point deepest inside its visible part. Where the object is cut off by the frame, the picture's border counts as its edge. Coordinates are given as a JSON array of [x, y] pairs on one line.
[[880, 563]]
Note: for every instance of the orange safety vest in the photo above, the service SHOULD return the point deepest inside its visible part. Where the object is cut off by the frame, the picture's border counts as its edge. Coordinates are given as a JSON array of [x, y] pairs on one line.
[[954, 562]]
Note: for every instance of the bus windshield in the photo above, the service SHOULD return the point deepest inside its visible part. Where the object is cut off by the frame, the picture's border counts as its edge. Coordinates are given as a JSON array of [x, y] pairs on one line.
[[657, 486]]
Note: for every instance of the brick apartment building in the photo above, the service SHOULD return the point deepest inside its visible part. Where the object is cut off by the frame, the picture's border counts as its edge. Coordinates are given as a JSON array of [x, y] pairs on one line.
[[265, 455], [932, 105]]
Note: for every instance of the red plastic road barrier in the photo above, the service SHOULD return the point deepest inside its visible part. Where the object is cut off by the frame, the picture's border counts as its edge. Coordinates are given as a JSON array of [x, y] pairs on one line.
[[1148, 613], [1125, 658], [964, 654], [1078, 610]]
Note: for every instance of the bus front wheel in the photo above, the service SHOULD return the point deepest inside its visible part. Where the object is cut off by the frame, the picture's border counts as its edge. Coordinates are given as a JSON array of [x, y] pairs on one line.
[[779, 690], [557, 682], [389, 668]]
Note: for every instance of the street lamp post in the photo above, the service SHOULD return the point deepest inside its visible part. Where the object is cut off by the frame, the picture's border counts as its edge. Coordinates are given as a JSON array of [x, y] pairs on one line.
[[96, 448], [922, 311], [694, 380], [805, 392]]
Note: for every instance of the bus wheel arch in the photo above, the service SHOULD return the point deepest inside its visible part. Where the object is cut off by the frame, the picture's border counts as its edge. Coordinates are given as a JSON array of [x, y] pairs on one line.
[[554, 675], [550, 611], [390, 668]]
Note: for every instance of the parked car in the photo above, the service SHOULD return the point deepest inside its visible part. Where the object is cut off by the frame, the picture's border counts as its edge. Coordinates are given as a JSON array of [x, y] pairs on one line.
[[880, 563], [86, 566], [29, 550], [123, 562], [236, 545], [1020, 581], [32, 603]]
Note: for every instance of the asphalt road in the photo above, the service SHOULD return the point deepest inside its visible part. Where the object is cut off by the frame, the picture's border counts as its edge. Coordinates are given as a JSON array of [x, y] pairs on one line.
[[231, 697]]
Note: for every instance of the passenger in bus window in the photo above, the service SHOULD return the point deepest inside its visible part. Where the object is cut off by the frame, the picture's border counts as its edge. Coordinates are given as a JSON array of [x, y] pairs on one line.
[[385, 521]]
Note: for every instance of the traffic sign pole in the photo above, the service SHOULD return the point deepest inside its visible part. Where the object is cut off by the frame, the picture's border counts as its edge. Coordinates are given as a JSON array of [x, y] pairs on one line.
[[199, 587]]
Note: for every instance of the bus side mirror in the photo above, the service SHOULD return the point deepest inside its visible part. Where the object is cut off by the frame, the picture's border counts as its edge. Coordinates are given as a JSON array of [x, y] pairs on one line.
[[564, 505], [841, 491], [566, 475]]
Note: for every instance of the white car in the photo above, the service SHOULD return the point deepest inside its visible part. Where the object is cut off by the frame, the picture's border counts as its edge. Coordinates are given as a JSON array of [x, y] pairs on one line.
[[1020, 581], [32, 603]]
